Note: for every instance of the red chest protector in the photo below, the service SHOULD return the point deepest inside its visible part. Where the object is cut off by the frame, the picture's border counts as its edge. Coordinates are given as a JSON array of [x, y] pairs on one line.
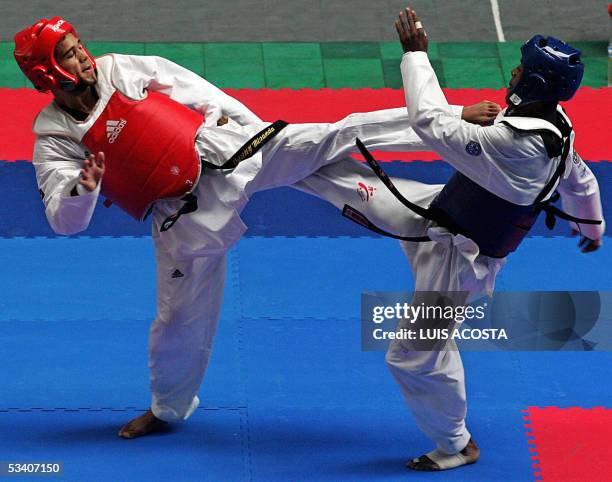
[[149, 148]]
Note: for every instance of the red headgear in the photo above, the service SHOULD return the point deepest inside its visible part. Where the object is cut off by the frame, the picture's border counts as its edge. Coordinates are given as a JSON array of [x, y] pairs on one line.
[[35, 54]]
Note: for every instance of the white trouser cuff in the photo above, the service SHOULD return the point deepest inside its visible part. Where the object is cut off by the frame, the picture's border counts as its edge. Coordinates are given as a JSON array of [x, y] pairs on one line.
[[456, 444], [168, 414]]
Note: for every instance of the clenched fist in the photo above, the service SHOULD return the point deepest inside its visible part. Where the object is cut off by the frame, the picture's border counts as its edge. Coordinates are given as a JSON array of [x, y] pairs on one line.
[[483, 113]]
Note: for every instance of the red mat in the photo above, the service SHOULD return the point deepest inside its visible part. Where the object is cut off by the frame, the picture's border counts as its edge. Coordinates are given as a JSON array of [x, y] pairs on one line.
[[570, 444], [591, 111]]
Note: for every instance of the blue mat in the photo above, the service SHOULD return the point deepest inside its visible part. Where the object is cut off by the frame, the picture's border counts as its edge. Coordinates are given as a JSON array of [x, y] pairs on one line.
[[208, 448], [316, 277], [322, 277], [99, 364], [372, 444], [77, 278], [68, 305], [334, 413], [295, 398], [318, 409], [278, 212], [83, 279], [267, 277]]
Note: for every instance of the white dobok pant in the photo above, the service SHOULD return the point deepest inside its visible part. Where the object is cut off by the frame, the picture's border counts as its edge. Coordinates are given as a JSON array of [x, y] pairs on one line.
[[432, 382], [312, 158]]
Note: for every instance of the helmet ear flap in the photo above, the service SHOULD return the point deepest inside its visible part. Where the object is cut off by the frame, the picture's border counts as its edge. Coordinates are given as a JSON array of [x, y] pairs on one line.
[[534, 84], [42, 79]]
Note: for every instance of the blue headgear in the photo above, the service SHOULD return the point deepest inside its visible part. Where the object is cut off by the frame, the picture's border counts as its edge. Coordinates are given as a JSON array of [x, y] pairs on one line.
[[552, 71]]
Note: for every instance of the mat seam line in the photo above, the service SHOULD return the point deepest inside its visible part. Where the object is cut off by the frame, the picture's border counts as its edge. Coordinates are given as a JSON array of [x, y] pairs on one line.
[[245, 442]]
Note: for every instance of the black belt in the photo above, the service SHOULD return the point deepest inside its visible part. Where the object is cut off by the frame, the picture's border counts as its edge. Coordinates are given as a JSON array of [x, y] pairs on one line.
[[191, 205], [359, 218], [253, 145]]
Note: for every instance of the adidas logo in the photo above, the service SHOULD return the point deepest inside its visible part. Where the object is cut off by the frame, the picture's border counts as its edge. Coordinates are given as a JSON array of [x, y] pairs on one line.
[[113, 129], [177, 274]]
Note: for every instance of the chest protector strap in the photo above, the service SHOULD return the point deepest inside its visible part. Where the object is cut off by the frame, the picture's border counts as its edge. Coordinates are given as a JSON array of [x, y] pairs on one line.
[[497, 226]]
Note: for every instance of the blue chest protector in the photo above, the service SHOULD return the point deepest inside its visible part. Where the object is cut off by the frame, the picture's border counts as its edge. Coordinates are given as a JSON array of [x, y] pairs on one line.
[[464, 207], [497, 226]]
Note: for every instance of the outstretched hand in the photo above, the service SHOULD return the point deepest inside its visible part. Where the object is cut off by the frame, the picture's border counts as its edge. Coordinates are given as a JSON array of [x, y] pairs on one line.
[[411, 33], [483, 113], [92, 171], [587, 245]]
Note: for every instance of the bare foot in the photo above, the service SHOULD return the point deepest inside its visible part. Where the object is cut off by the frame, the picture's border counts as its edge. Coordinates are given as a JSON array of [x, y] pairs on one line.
[[469, 455], [144, 425]]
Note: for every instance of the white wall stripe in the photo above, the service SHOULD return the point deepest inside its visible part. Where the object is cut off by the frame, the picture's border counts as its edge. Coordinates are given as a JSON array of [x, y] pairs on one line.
[[497, 20]]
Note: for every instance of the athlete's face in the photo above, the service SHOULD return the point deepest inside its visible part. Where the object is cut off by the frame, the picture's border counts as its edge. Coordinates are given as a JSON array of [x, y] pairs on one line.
[[70, 55], [516, 76]]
